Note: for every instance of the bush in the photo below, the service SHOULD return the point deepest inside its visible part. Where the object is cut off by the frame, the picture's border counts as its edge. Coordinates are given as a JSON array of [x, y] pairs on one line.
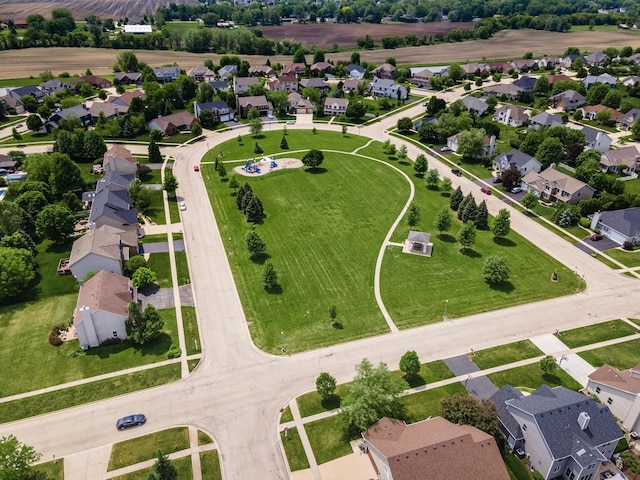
[[174, 352], [627, 245], [585, 222], [54, 336], [109, 342]]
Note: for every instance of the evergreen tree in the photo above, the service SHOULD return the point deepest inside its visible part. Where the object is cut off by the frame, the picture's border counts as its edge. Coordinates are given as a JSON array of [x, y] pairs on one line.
[[242, 191], [269, 275], [455, 199], [482, 216], [246, 199], [283, 143], [254, 210], [470, 210], [163, 469], [254, 242], [463, 206], [154, 152]]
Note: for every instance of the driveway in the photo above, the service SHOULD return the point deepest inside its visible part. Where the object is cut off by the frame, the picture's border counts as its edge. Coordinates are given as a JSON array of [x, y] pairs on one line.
[[600, 245], [479, 387], [163, 297], [158, 247]]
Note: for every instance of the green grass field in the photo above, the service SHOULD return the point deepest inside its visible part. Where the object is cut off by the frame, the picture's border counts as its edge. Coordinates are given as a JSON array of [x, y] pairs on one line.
[[53, 470], [530, 377], [328, 440], [630, 259], [155, 211], [600, 332], [286, 415], [159, 263], [294, 450], [146, 447], [210, 465], [622, 356], [191, 331], [203, 438], [183, 466], [422, 405], [182, 268], [323, 244], [505, 354]]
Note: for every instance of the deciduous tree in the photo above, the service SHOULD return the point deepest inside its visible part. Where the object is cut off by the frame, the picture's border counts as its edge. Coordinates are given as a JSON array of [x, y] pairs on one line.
[[143, 326], [420, 166], [55, 222], [502, 223], [443, 220], [170, 184], [16, 265], [467, 235], [548, 364], [462, 408], [144, 277], [410, 364], [16, 458], [404, 124], [413, 216], [431, 179], [313, 158], [529, 201], [495, 269], [325, 385]]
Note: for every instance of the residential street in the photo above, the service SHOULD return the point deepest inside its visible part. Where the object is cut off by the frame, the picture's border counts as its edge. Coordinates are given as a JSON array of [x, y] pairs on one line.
[[237, 391]]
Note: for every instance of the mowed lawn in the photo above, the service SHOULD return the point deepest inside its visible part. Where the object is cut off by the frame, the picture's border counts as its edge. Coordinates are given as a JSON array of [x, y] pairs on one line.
[[323, 232], [414, 288]]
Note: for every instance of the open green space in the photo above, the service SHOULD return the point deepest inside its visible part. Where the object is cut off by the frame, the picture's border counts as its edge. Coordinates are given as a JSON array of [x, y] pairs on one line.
[[91, 392], [597, 333], [174, 209], [296, 457], [182, 27], [530, 377], [155, 211], [203, 438], [146, 447], [270, 143], [422, 405], [193, 363], [623, 356], [415, 288], [183, 466], [328, 439], [27, 138], [430, 372], [323, 231], [628, 259], [158, 237], [210, 465], [635, 320], [311, 402], [191, 331], [286, 415], [182, 268], [159, 263], [54, 470], [505, 354]]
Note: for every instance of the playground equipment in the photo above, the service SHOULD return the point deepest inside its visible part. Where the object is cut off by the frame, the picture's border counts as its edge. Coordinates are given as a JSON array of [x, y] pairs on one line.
[[251, 167], [274, 164]]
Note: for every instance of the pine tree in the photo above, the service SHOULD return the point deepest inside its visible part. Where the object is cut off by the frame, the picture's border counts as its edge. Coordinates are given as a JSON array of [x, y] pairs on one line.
[[254, 210], [456, 199], [482, 216], [269, 276], [246, 200], [283, 143], [242, 191], [470, 210], [154, 153], [463, 205]]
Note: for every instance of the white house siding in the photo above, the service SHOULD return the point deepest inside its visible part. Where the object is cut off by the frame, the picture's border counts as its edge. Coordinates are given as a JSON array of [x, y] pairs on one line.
[[94, 263], [624, 405], [536, 446], [97, 327]]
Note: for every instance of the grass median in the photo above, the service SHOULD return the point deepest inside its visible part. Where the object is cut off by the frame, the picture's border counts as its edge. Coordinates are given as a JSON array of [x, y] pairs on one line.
[[143, 448]]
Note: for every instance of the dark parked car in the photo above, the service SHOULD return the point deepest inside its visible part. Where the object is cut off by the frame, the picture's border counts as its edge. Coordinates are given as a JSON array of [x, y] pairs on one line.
[[595, 237], [497, 180], [131, 421], [456, 172]]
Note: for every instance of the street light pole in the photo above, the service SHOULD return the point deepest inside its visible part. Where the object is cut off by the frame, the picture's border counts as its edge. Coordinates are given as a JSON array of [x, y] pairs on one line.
[[444, 314], [282, 339]]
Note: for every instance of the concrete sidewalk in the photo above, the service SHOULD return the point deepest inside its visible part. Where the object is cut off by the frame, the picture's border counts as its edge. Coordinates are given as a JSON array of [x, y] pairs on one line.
[[570, 362]]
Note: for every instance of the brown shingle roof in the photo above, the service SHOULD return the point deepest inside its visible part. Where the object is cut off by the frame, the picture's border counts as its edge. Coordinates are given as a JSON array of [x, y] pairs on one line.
[[120, 152], [623, 380], [436, 449], [127, 96], [105, 291], [622, 156]]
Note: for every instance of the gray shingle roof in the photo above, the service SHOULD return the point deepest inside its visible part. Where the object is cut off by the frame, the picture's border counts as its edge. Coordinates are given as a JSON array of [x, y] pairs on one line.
[[114, 204], [499, 398], [516, 158], [625, 221], [546, 118], [114, 178], [556, 412]]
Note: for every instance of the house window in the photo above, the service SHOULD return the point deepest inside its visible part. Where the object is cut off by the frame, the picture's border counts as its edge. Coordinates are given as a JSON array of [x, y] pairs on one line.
[[524, 427], [556, 469], [610, 401], [115, 334], [598, 389]]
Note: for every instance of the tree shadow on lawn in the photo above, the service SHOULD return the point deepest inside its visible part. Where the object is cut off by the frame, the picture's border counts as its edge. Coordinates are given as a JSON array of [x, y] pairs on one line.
[[316, 170], [159, 346], [415, 380], [445, 237], [275, 290], [260, 258], [505, 287], [471, 253], [331, 403], [404, 162], [504, 242]]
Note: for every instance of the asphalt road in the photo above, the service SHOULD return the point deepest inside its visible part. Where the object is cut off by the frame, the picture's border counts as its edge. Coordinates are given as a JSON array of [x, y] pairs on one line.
[[237, 391]]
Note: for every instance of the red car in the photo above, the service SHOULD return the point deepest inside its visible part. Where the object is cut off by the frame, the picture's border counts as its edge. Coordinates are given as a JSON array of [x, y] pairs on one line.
[[486, 191], [196, 168]]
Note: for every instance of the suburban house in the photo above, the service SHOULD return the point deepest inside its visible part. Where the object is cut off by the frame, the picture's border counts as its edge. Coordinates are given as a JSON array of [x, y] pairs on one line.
[[79, 111], [221, 111], [125, 99], [619, 389], [102, 306], [138, 29], [388, 88], [567, 100], [567, 61], [590, 112], [620, 160], [475, 105], [119, 159], [355, 71], [262, 71], [294, 69], [111, 206], [386, 71], [288, 83], [605, 78], [304, 106], [7, 164], [105, 248], [628, 119], [109, 110], [499, 67], [559, 78], [50, 87], [548, 63], [352, 84], [630, 81], [128, 78], [596, 139], [167, 74], [545, 119], [12, 105], [228, 71], [434, 448], [474, 68], [335, 106], [93, 80], [489, 144], [512, 115], [219, 85], [554, 186], [509, 91], [243, 84], [621, 226], [320, 68], [260, 102], [564, 433], [596, 58], [516, 159], [172, 124], [200, 73], [422, 79], [525, 65], [31, 90], [315, 83], [112, 181], [525, 84]]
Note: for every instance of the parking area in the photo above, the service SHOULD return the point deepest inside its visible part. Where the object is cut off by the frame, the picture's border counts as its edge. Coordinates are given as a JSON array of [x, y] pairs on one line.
[[600, 245]]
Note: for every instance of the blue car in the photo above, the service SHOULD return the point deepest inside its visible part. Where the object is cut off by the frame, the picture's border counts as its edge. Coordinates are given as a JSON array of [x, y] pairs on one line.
[[131, 421]]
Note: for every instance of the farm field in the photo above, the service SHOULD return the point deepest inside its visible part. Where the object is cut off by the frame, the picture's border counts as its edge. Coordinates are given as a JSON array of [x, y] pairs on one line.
[[506, 44]]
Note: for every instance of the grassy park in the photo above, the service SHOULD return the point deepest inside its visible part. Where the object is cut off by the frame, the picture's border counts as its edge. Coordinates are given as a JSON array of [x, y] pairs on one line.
[[323, 232]]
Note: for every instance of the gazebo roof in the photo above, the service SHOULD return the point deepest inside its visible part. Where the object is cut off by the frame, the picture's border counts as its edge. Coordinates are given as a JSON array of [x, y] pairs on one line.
[[419, 237]]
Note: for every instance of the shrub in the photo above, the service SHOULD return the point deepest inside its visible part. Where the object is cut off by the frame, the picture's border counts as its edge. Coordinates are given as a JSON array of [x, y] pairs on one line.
[[109, 342], [174, 352], [54, 336], [627, 245], [585, 222]]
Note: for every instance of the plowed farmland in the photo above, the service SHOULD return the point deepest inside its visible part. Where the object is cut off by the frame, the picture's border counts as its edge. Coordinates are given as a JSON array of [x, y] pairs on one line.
[[507, 44]]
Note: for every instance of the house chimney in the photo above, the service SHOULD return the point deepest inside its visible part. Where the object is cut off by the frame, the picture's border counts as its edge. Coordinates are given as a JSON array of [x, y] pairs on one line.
[[583, 420], [595, 220]]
